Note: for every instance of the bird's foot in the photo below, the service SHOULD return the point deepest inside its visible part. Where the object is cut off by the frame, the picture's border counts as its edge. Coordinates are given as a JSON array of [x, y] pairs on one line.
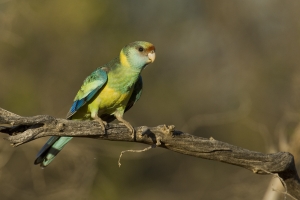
[[102, 123], [127, 124]]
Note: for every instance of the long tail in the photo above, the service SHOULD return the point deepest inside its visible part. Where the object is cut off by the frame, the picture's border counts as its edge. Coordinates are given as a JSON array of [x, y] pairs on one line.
[[52, 147]]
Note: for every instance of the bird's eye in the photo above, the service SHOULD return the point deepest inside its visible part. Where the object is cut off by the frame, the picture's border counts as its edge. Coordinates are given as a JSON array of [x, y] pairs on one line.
[[141, 49]]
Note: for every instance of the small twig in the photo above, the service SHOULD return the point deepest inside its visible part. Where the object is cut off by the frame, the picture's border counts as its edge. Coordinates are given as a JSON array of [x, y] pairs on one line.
[[134, 151], [283, 183], [158, 139]]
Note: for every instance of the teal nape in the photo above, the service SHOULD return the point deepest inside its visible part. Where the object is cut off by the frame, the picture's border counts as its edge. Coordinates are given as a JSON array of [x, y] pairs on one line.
[[106, 94]]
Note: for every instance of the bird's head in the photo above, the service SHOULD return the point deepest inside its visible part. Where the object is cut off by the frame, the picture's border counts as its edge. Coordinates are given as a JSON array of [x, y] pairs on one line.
[[137, 54]]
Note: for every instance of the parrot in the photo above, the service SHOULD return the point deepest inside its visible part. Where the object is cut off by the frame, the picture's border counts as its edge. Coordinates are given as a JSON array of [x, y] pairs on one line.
[[106, 94]]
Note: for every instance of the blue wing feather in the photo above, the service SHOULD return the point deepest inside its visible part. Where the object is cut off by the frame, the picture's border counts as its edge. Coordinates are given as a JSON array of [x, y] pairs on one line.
[[76, 105]]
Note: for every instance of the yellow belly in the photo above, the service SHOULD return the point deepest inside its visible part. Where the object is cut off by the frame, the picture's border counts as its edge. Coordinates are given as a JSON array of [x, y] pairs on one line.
[[109, 98], [108, 101]]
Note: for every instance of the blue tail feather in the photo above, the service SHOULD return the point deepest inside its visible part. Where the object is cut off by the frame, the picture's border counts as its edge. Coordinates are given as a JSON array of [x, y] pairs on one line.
[[52, 147]]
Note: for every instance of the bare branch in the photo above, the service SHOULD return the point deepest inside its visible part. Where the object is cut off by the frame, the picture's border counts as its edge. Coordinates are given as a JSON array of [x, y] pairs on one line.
[[25, 129]]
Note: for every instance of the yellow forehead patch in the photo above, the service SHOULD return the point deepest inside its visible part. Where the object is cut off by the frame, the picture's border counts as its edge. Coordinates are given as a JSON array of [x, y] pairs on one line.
[[124, 60]]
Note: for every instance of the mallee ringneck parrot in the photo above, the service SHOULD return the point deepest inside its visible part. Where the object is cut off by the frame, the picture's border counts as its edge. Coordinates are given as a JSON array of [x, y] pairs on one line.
[[106, 94]]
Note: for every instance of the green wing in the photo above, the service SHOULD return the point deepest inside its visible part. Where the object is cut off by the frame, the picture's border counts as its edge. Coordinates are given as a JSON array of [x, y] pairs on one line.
[[91, 85]]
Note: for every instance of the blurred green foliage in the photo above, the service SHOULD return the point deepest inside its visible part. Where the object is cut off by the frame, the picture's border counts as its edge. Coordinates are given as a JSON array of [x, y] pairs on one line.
[[212, 57]]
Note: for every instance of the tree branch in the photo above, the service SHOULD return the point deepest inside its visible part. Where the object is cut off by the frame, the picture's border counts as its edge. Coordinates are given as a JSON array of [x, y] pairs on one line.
[[25, 129]]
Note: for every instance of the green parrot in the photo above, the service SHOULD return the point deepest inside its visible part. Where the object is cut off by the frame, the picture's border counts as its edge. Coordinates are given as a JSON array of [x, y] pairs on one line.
[[106, 94]]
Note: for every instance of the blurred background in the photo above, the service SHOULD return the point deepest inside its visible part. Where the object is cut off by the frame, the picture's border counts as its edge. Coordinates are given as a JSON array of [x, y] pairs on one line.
[[224, 69]]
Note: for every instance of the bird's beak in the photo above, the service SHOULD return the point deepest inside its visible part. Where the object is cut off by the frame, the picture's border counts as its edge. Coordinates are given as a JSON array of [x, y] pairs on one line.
[[151, 56]]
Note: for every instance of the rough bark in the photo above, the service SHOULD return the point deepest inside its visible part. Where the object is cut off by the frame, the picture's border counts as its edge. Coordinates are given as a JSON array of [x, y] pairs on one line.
[[25, 129]]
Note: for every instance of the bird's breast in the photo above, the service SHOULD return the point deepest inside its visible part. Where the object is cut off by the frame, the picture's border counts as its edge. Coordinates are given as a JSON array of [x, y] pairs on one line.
[[110, 99]]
